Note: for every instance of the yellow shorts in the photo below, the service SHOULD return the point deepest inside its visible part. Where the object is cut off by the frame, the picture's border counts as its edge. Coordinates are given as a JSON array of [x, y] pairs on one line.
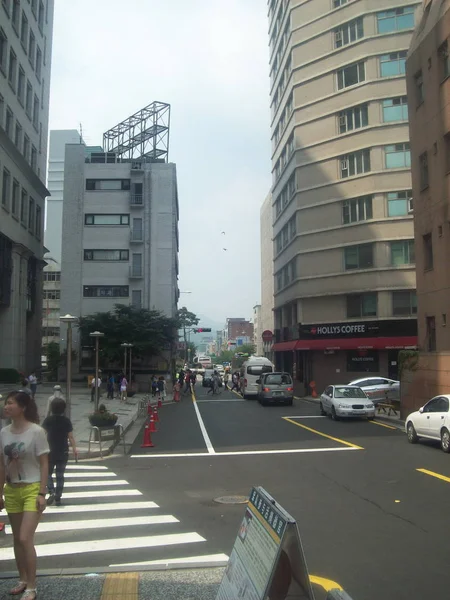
[[22, 498]]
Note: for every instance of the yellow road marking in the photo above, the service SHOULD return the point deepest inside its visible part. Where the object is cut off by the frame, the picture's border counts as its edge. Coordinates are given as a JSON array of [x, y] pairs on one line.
[[433, 474], [382, 425], [123, 586], [325, 435], [326, 584]]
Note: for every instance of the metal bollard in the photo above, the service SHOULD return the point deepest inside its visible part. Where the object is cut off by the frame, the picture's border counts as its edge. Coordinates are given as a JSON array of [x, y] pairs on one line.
[[337, 595]]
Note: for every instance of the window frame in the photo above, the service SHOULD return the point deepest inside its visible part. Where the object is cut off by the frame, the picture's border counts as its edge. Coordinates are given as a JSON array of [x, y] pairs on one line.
[[113, 288], [94, 224], [399, 149], [358, 249], [360, 300], [405, 247], [354, 206], [395, 16], [406, 199], [352, 161], [6, 189], [401, 55], [403, 104], [341, 74], [123, 255], [344, 32], [411, 305], [428, 257], [125, 185], [351, 116]]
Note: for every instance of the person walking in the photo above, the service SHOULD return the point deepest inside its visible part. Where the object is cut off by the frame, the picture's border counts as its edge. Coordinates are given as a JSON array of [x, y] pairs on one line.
[[187, 382], [23, 481], [176, 391], [161, 388], [226, 377], [193, 379], [235, 380], [57, 393], [59, 432], [25, 387], [95, 387], [123, 389], [154, 386], [110, 387], [32, 380]]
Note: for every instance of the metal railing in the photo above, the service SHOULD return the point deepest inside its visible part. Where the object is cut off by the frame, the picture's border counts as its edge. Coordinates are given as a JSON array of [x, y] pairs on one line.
[[137, 200]]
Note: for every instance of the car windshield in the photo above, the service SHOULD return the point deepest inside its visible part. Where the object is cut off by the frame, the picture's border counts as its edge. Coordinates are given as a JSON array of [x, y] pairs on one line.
[[278, 379], [348, 392]]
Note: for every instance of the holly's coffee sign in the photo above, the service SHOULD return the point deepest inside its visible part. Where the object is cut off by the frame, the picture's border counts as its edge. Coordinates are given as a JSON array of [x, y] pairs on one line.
[[359, 329]]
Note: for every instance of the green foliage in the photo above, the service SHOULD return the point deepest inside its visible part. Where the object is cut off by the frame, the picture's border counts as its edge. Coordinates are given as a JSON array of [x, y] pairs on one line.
[[186, 318], [9, 376], [54, 359], [407, 361], [246, 349], [192, 349], [102, 418], [150, 332], [225, 356]]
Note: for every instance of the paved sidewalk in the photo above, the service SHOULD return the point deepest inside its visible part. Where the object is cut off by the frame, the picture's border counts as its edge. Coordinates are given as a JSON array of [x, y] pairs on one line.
[[81, 409]]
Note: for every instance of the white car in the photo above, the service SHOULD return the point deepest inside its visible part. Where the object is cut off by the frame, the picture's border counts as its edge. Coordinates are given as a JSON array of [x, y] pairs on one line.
[[432, 422], [346, 401], [379, 389]]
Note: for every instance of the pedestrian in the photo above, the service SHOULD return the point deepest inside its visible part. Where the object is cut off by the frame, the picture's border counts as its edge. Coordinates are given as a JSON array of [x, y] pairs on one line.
[[123, 389], [193, 379], [154, 386], [226, 377], [187, 382], [161, 388], [59, 433], [110, 387], [32, 380], [57, 393], [23, 481], [181, 377], [95, 387], [25, 387], [235, 380], [176, 391]]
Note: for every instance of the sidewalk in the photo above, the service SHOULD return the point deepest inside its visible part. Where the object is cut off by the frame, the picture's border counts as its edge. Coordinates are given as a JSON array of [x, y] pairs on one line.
[[81, 409]]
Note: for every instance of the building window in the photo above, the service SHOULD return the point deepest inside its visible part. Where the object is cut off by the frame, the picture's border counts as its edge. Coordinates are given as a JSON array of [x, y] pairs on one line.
[[106, 219], [106, 255], [428, 252], [107, 184], [29, 100], [24, 32], [420, 91], [431, 334], [399, 203], [444, 56], [337, 3], [106, 291], [15, 16], [357, 209], [404, 304], [15, 200], [18, 135], [38, 63], [6, 188], [403, 253], [26, 147], [9, 123], [33, 161], [36, 112], [395, 109], [349, 32], [31, 48], [136, 298], [353, 118], [397, 156], [351, 75], [24, 207], [358, 257], [393, 64], [52, 275], [355, 163], [31, 215], [52, 294], [12, 71], [285, 195], [38, 227], [396, 19], [286, 275], [3, 51], [21, 86], [423, 170], [362, 305]]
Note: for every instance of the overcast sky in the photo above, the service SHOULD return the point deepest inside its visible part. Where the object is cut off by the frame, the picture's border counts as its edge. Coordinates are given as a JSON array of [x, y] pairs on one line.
[[209, 60]]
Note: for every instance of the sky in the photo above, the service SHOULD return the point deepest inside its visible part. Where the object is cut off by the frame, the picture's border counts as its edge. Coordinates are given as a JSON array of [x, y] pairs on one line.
[[209, 60]]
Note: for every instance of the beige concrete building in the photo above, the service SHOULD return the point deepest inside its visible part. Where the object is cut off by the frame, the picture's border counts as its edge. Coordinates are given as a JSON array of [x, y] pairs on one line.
[[343, 244], [267, 299], [428, 79]]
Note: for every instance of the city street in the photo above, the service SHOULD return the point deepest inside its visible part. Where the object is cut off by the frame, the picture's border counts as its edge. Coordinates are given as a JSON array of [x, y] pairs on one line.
[[368, 518]]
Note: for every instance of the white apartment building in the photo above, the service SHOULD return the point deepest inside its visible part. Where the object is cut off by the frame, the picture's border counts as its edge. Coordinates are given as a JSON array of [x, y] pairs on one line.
[[26, 28], [344, 273]]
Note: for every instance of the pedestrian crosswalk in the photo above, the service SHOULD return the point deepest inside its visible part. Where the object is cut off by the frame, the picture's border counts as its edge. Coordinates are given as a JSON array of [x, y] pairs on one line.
[[104, 522]]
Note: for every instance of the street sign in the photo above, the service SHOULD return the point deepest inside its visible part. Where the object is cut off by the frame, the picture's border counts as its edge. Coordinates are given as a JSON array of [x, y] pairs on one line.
[[267, 560], [267, 335]]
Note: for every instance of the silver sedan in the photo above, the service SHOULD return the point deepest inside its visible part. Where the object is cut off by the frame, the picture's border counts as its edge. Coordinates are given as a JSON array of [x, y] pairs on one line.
[[346, 401]]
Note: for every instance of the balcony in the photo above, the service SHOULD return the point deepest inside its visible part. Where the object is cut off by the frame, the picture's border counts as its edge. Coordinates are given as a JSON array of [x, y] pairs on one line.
[[136, 272], [136, 236], [136, 200]]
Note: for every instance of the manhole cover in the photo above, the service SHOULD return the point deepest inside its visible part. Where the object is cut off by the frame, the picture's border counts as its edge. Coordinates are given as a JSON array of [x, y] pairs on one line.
[[231, 500]]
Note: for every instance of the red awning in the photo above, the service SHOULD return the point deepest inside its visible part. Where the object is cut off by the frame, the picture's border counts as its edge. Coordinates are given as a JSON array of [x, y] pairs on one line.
[[284, 346], [378, 343]]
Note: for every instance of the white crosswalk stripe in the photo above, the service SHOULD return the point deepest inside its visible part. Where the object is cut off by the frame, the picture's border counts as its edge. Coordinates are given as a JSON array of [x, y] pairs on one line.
[[103, 527]]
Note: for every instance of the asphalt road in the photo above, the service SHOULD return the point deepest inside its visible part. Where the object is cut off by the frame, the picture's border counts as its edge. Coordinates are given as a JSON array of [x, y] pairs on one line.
[[368, 518]]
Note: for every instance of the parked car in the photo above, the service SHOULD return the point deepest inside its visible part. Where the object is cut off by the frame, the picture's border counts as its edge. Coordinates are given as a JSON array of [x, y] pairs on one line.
[[432, 422], [275, 388], [346, 401], [379, 389]]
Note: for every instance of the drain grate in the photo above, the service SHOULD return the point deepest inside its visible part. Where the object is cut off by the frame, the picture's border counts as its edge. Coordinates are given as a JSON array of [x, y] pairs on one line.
[[231, 500]]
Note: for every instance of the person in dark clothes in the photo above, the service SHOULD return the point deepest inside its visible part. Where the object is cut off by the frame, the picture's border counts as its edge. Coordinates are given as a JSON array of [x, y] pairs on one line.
[[154, 386], [59, 432]]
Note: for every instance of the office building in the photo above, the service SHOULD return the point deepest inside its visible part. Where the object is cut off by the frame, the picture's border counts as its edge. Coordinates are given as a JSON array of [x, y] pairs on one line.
[[239, 331], [428, 78], [25, 58], [344, 272]]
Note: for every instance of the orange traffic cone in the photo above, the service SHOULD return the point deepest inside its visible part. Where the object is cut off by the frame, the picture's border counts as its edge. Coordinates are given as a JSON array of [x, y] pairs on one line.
[[147, 441], [149, 409], [155, 415], [159, 403], [312, 385], [152, 424]]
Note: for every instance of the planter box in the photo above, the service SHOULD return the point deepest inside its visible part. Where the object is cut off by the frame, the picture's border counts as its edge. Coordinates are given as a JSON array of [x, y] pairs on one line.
[[108, 433]]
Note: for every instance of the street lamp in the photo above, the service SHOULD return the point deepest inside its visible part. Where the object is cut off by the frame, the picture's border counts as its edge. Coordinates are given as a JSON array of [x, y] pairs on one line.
[[69, 319], [96, 335], [130, 346], [125, 347]]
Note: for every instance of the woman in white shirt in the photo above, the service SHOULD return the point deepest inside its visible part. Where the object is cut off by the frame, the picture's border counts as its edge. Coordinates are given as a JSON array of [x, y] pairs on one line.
[[123, 389], [23, 481]]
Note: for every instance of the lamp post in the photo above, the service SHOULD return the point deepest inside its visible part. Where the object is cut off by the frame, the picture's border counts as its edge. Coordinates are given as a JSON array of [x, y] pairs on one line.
[[125, 347], [130, 346], [96, 335], [69, 319]]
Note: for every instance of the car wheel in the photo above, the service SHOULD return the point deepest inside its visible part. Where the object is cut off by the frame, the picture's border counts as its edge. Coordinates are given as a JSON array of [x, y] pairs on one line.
[[411, 433], [333, 414], [322, 412], [445, 440], [371, 418], [290, 402]]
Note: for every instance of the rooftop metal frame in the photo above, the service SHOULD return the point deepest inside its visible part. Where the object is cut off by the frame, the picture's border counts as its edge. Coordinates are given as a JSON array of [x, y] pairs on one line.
[[143, 135]]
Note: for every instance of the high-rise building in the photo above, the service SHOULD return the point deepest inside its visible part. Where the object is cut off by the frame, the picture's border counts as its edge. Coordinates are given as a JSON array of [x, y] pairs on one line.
[[428, 78], [26, 30], [344, 274]]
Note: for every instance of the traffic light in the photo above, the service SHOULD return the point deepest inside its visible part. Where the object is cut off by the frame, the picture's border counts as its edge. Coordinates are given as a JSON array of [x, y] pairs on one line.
[[202, 330]]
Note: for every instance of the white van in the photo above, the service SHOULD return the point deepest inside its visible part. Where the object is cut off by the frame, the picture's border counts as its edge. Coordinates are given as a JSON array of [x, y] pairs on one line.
[[252, 370]]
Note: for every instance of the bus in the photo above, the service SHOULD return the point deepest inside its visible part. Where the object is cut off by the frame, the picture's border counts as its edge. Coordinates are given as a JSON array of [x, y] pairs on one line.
[[204, 360]]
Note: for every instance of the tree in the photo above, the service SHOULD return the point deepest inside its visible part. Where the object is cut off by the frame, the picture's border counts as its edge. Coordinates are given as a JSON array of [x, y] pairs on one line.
[[186, 319], [226, 356], [54, 359], [246, 349], [191, 350], [150, 331]]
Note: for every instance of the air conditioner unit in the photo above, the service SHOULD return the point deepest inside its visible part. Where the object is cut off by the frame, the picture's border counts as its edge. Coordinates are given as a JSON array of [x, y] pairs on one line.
[[344, 164], [410, 205]]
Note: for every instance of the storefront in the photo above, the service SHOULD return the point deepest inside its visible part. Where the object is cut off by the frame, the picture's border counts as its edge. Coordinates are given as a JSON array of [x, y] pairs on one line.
[[339, 352]]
